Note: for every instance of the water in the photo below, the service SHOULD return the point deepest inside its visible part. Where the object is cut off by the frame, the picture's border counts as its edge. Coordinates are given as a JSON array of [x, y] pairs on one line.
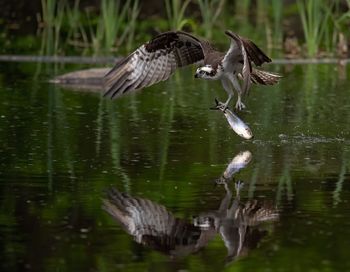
[[61, 150]]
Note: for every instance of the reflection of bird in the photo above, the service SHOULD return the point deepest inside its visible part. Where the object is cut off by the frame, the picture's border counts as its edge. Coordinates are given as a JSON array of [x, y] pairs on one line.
[[236, 223], [158, 59], [152, 225]]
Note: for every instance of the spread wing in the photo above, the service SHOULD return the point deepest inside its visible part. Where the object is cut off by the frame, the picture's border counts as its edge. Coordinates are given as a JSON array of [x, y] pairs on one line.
[[153, 62], [254, 53], [152, 225], [243, 52], [238, 234], [138, 216]]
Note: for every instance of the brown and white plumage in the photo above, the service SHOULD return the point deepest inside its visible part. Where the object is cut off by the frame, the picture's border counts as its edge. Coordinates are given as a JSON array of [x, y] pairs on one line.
[[238, 64], [264, 77], [153, 62], [151, 224], [237, 222], [159, 58]]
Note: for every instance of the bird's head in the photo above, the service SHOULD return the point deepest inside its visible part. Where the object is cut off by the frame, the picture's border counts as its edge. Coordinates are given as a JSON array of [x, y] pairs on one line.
[[205, 72], [203, 221]]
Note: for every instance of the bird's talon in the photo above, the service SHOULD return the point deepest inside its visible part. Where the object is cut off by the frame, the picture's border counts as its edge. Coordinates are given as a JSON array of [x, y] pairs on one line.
[[223, 106], [219, 105], [239, 106], [216, 107]]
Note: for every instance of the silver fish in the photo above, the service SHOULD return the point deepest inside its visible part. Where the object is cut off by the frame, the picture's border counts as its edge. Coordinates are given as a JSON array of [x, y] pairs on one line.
[[235, 122], [238, 162], [241, 160]]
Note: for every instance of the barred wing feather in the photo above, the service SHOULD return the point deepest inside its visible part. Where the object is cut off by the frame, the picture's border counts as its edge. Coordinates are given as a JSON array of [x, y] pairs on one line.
[[153, 62]]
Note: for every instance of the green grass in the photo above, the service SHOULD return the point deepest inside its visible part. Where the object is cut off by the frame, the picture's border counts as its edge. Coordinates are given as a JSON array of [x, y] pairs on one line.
[[101, 33], [210, 11], [52, 19], [175, 10], [114, 25], [313, 18], [337, 25]]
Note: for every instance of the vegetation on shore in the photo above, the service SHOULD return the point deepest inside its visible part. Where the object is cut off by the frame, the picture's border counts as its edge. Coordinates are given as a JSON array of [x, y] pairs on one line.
[[301, 28]]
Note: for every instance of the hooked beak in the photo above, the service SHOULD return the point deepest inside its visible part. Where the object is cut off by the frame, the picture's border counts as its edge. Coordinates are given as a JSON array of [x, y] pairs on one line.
[[195, 75]]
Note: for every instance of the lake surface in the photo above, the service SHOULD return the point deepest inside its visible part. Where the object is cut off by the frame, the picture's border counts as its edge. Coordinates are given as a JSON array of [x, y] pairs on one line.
[[63, 149]]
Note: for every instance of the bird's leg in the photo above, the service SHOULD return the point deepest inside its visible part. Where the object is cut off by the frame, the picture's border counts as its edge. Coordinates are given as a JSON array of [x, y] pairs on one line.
[[225, 202], [228, 101], [238, 187], [239, 104], [235, 83], [235, 204], [226, 84], [241, 231]]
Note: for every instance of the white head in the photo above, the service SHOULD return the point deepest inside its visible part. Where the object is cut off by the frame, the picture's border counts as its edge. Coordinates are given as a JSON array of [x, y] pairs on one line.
[[205, 72], [204, 221]]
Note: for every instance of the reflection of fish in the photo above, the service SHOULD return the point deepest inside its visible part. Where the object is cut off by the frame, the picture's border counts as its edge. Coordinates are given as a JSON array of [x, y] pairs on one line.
[[235, 122], [238, 162]]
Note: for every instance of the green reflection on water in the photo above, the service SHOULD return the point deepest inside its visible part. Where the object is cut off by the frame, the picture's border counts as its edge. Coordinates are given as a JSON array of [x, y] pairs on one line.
[[61, 149]]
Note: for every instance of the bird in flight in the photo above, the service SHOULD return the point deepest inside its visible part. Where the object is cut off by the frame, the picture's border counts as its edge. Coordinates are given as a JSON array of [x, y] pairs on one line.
[[159, 58]]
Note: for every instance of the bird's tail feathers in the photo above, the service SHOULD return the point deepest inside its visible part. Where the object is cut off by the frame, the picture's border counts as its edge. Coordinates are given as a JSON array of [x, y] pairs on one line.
[[264, 77], [256, 212]]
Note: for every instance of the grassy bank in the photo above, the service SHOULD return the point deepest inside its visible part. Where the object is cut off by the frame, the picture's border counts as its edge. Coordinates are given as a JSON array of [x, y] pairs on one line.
[[301, 28]]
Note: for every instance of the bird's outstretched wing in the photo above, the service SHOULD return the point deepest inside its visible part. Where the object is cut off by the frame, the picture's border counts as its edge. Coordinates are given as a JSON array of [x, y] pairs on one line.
[[151, 224], [243, 52], [255, 54], [153, 62], [138, 216], [239, 234]]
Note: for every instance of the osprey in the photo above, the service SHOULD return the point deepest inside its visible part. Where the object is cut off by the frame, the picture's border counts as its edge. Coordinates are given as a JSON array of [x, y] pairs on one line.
[[153, 225], [158, 59]]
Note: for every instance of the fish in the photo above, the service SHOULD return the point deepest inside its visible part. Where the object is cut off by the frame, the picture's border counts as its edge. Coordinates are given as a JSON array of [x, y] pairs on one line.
[[237, 125], [240, 161]]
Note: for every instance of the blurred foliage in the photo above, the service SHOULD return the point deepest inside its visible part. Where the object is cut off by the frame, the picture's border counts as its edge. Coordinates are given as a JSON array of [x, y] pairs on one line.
[[116, 27], [175, 10]]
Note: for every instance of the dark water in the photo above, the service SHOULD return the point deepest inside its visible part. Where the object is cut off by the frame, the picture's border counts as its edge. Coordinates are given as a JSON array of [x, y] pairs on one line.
[[61, 150]]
